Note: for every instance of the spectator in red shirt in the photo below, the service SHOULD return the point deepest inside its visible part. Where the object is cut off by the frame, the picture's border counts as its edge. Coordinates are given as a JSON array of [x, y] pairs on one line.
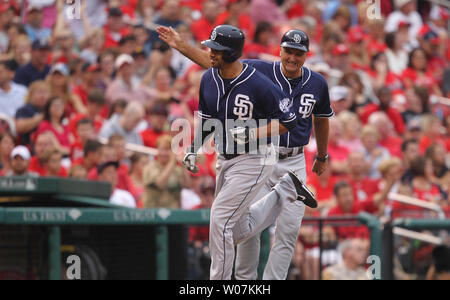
[[202, 28], [58, 80], [338, 154], [323, 186], [236, 15], [382, 76], [262, 41], [44, 143], [391, 171], [52, 164], [359, 57], [351, 138], [347, 205], [115, 28], [92, 155], [417, 73], [90, 79], [85, 131], [422, 186], [433, 133], [384, 95], [53, 117], [364, 188], [95, 105], [157, 124], [78, 172], [388, 137], [109, 153], [431, 43], [63, 45]]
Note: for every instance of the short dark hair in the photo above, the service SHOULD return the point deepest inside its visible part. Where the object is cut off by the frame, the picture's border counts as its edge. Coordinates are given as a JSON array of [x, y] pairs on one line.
[[261, 27], [48, 106], [407, 142], [85, 121], [161, 46], [126, 39], [339, 186], [102, 167], [418, 166], [10, 65], [429, 152], [96, 97], [411, 54], [91, 146], [118, 103], [375, 58]]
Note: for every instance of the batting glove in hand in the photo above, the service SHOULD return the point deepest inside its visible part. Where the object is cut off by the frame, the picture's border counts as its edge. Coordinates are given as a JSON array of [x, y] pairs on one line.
[[189, 162], [243, 135]]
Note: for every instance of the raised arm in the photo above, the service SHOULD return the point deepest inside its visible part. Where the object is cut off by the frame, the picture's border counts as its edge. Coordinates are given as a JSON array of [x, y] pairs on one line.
[[174, 40]]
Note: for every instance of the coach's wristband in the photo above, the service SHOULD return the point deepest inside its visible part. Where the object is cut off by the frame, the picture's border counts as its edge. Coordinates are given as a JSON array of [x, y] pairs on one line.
[[322, 159]]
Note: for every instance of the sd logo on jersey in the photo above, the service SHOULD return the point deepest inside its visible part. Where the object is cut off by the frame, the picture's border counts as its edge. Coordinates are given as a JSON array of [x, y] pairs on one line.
[[243, 107], [307, 103]]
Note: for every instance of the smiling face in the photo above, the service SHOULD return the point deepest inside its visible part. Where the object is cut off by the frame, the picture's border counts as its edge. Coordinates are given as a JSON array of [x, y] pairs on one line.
[[19, 165], [57, 109], [292, 61], [216, 58]]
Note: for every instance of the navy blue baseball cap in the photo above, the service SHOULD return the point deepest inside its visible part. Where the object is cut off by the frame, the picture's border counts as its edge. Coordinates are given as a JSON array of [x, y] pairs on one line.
[[295, 39], [40, 45]]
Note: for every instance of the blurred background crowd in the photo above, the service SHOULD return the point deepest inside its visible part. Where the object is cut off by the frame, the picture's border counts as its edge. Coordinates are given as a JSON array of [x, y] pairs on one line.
[[88, 91]]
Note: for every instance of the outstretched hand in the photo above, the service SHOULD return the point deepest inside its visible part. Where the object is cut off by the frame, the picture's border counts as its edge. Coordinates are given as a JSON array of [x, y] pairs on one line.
[[170, 36]]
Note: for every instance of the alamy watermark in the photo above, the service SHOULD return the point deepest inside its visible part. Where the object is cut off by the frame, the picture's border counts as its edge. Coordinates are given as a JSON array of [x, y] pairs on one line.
[[374, 270], [74, 267]]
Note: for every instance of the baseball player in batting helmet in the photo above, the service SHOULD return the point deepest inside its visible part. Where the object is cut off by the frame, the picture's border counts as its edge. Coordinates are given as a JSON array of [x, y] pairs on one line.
[[309, 98], [232, 92]]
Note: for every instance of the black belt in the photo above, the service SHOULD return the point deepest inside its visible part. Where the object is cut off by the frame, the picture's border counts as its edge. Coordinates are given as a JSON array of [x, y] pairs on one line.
[[290, 153]]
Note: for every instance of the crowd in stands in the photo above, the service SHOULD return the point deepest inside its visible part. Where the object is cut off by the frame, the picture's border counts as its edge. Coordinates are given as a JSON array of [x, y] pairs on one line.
[[81, 81]]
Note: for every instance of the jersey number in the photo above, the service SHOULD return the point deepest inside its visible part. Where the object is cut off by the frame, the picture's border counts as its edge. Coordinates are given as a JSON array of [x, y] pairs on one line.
[[307, 103], [243, 107]]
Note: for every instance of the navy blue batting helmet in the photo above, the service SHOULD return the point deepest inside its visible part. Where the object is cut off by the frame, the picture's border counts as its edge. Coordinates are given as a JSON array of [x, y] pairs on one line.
[[228, 39], [296, 39]]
